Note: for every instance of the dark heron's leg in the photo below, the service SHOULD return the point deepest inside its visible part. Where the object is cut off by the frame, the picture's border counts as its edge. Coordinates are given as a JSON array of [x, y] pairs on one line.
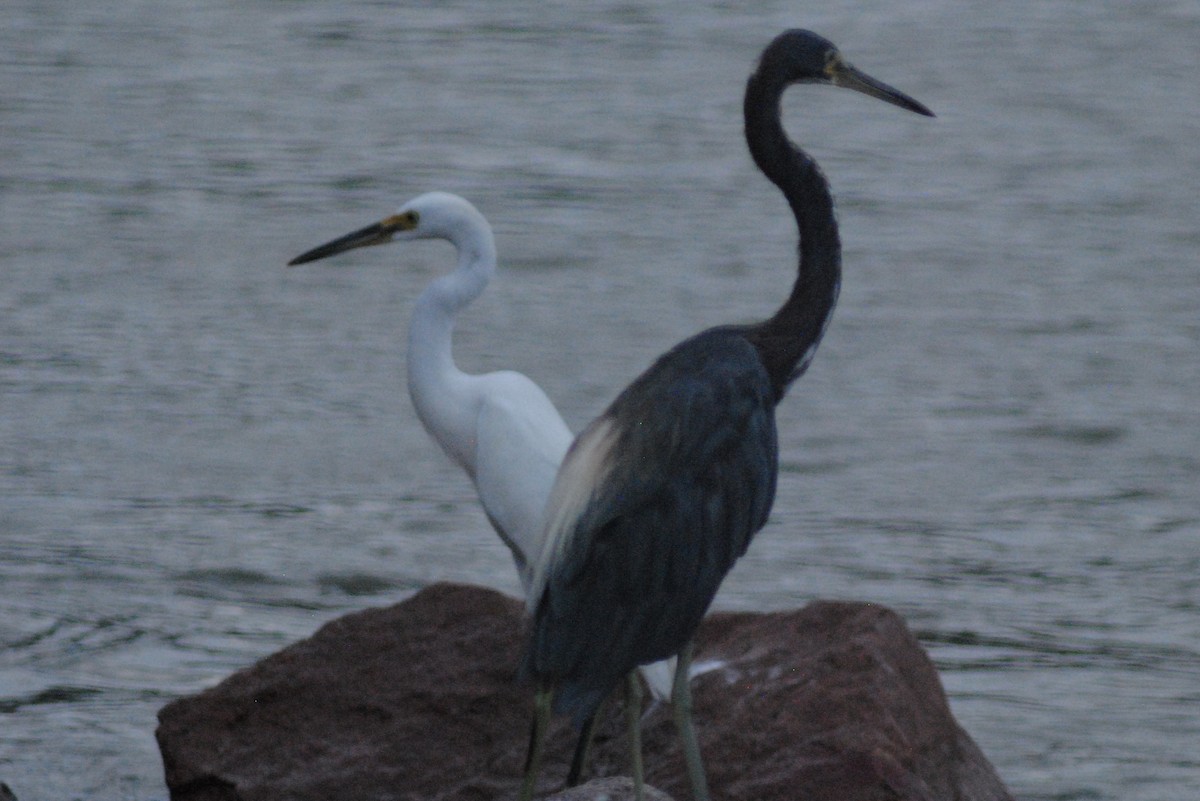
[[633, 718], [541, 719], [681, 701], [582, 747], [533, 730]]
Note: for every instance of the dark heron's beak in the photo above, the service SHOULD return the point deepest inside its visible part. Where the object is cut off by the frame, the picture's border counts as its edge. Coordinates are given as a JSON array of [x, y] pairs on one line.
[[378, 234], [845, 75]]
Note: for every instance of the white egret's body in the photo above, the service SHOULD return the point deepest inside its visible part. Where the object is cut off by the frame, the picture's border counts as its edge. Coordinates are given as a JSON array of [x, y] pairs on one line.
[[500, 427]]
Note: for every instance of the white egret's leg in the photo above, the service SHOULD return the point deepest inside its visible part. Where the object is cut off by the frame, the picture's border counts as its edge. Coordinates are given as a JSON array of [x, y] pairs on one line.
[[533, 761], [633, 719], [681, 702]]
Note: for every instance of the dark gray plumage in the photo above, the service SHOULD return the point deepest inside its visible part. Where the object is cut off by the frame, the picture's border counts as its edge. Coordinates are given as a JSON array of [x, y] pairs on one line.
[[659, 496], [692, 480]]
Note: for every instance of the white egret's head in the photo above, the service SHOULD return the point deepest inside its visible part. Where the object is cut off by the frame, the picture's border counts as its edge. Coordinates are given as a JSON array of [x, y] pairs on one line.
[[434, 215]]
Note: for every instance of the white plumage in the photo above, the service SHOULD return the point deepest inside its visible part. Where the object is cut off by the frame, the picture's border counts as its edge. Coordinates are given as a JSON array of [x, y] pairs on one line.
[[500, 427]]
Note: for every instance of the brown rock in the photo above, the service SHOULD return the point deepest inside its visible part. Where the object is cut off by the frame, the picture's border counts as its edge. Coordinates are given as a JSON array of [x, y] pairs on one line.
[[615, 788], [417, 701]]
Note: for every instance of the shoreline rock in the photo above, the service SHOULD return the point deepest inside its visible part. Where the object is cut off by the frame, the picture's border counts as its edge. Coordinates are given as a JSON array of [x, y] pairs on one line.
[[418, 701]]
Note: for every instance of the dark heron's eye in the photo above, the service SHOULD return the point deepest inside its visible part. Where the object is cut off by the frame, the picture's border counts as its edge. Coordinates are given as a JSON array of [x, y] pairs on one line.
[[833, 62], [412, 217]]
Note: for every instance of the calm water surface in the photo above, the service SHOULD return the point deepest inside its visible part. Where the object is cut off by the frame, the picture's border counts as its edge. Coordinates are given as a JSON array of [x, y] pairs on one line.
[[204, 456]]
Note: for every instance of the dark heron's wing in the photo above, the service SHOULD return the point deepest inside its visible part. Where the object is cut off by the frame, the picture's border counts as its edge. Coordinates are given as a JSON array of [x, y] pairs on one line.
[[654, 504]]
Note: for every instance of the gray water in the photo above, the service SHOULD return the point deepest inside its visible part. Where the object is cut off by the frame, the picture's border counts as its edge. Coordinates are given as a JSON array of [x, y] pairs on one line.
[[204, 456]]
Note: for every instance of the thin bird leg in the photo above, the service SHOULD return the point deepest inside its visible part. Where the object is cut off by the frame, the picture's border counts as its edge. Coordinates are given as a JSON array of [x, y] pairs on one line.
[[582, 746], [681, 703], [633, 718], [541, 719], [533, 730]]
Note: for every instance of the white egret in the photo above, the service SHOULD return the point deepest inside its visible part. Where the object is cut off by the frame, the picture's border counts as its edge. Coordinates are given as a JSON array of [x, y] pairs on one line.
[[499, 427]]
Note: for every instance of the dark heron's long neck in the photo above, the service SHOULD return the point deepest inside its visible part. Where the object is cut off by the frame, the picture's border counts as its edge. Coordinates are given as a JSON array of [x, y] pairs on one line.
[[786, 342]]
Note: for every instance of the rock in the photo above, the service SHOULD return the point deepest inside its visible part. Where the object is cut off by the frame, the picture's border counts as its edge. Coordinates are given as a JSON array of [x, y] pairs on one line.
[[417, 701], [616, 788]]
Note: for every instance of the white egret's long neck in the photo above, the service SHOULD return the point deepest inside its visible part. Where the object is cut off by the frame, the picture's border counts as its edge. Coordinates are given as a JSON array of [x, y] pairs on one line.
[[442, 394]]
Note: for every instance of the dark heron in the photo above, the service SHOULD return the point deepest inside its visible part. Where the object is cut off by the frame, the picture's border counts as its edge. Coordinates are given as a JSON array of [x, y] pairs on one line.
[[660, 495]]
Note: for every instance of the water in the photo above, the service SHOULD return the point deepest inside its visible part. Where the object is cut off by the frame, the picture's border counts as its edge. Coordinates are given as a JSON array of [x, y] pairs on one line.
[[204, 456]]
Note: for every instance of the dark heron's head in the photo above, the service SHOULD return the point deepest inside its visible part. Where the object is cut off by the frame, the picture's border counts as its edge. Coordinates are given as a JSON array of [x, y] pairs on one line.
[[800, 56]]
